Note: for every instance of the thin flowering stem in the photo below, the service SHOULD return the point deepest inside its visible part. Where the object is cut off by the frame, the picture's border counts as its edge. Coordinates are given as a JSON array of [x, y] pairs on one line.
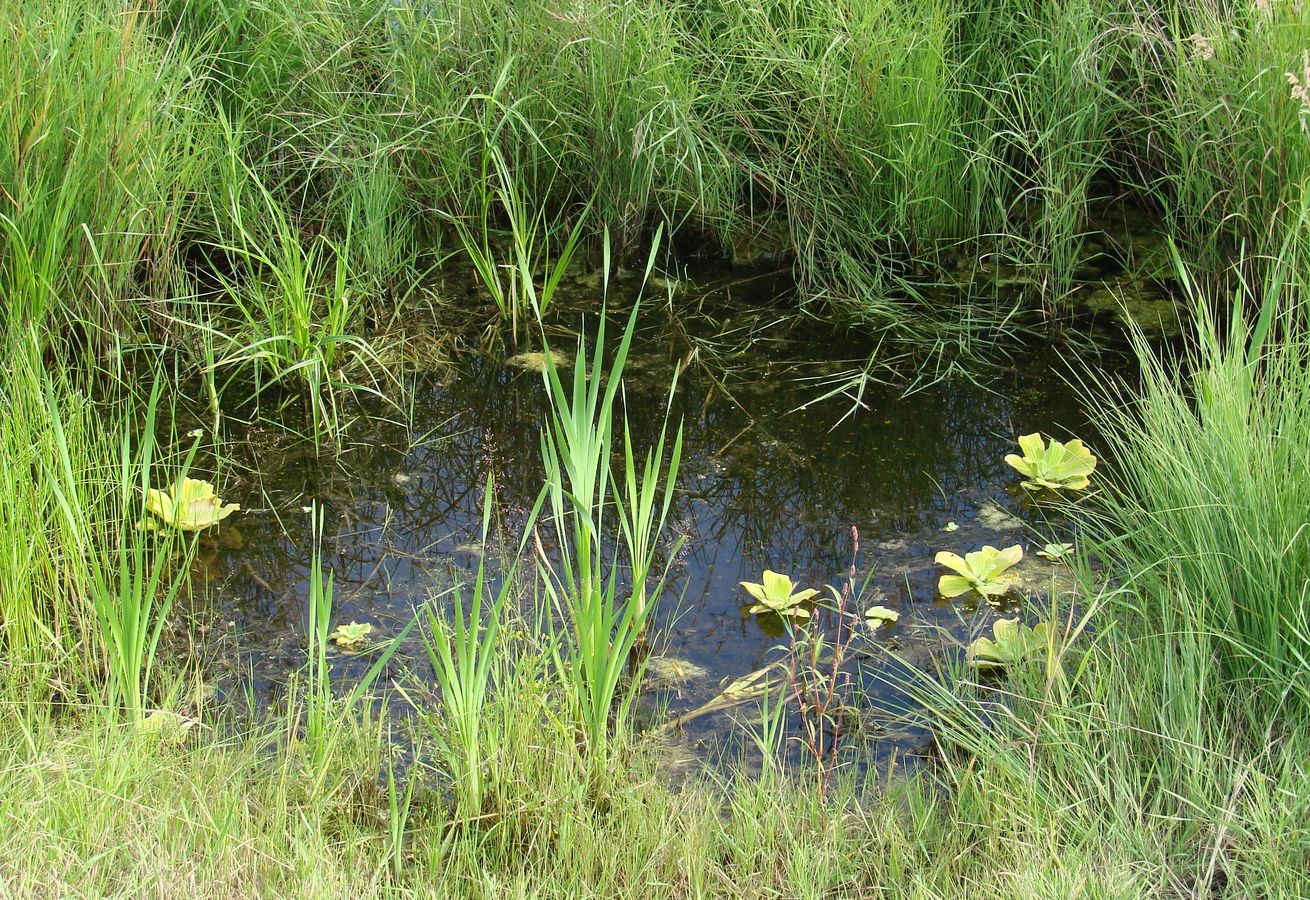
[[818, 686]]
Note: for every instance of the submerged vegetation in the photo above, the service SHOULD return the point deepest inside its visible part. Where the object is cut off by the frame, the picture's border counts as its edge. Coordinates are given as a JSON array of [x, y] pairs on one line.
[[257, 214]]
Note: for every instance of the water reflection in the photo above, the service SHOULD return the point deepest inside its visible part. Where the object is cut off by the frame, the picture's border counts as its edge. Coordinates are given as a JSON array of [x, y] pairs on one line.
[[764, 484]]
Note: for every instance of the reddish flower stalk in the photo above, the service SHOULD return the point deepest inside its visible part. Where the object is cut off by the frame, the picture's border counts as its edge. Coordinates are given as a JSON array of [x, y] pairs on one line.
[[817, 688]]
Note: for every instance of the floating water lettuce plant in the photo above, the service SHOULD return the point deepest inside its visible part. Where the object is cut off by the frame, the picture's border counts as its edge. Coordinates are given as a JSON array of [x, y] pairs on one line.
[[353, 635], [1055, 551], [1055, 465], [977, 571], [878, 616], [1014, 642], [775, 595], [190, 504], [535, 361], [166, 724]]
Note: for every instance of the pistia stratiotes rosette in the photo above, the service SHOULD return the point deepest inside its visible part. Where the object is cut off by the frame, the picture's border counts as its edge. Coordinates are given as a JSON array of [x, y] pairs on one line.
[[977, 571], [878, 616], [1055, 552], [353, 635], [1014, 643], [776, 595], [1054, 466], [189, 505]]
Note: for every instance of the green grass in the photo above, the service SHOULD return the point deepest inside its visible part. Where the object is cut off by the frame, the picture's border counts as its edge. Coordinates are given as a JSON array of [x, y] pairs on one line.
[[1211, 490], [604, 623], [466, 659], [43, 595], [889, 147], [99, 156], [133, 575], [257, 187]]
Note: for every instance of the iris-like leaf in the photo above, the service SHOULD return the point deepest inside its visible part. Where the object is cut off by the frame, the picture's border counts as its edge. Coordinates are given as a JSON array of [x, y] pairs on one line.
[[1014, 642], [775, 594], [190, 504], [1054, 466], [977, 571]]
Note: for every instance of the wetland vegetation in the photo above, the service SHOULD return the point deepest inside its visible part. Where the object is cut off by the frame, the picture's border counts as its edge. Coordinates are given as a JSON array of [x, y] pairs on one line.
[[835, 448]]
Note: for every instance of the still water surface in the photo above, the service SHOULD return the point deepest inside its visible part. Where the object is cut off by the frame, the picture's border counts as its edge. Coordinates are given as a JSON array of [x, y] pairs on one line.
[[767, 481]]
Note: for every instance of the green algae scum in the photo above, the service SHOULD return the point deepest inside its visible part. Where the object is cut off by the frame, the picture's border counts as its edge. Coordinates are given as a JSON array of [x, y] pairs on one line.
[[586, 448]]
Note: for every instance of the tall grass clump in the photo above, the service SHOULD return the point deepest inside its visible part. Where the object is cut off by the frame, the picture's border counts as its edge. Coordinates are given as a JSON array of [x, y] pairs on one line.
[[99, 131], [883, 149], [85, 588], [295, 301], [1040, 118], [48, 633], [602, 625], [1217, 127], [1159, 739], [134, 573], [510, 276], [466, 656], [837, 121], [317, 728], [1212, 493]]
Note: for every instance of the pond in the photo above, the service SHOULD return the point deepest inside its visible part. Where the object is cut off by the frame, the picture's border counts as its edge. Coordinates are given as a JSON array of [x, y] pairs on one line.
[[772, 478]]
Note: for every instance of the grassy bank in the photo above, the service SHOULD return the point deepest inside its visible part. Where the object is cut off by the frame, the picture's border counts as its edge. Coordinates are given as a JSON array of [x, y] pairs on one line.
[[196, 192], [885, 147]]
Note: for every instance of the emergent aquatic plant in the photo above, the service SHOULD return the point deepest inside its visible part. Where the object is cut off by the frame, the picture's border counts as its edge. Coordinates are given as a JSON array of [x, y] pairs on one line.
[[189, 505], [1014, 643], [578, 446], [323, 716], [775, 595], [978, 571], [1054, 466], [463, 646]]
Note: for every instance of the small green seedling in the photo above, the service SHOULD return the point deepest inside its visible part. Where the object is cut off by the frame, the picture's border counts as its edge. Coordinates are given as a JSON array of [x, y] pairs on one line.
[[1014, 643], [352, 636], [878, 616], [775, 595], [190, 505], [1055, 551], [978, 571], [1054, 466]]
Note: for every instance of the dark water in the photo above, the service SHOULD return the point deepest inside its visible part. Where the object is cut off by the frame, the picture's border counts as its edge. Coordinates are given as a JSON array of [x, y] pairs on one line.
[[764, 484]]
